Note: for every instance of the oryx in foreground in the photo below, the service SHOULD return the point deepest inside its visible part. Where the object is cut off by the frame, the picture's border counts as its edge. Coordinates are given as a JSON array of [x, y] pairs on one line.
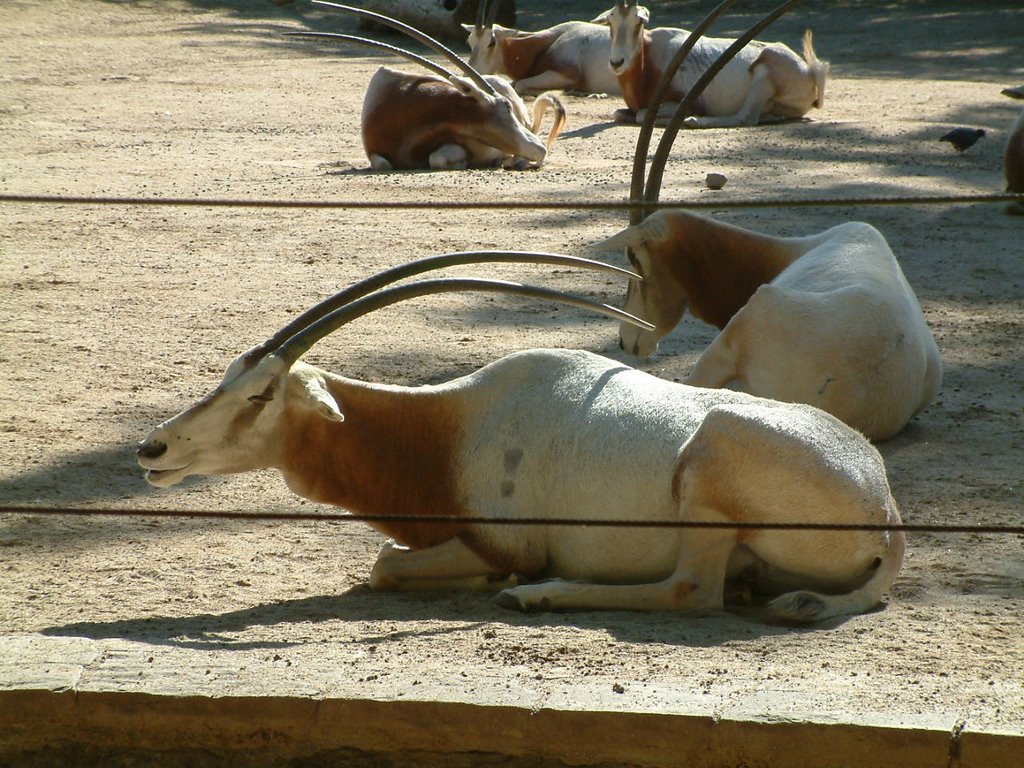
[[765, 81], [571, 56], [559, 435], [827, 319], [445, 120]]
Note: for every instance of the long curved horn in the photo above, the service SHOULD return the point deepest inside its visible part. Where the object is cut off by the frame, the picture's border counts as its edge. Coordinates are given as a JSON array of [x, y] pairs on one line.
[[685, 108], [300, 343], [481, 9], [492, 13], [643, 142], [416, 34], [417, 267], [415, 57]]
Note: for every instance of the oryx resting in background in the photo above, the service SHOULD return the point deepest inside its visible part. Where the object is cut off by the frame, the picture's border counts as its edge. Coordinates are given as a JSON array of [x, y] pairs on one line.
[[445, 120], [765, 81], [571, 56]]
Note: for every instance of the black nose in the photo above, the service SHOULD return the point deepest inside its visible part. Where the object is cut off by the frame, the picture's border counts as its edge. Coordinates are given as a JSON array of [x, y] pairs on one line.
[[151, 449], [616, 63]]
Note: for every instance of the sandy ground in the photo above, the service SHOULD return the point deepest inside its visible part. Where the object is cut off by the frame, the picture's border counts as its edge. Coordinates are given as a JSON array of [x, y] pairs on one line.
[[114, 318]]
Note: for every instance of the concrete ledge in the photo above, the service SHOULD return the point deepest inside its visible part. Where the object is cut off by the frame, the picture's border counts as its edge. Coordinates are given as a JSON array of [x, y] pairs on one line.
[[79, 728]]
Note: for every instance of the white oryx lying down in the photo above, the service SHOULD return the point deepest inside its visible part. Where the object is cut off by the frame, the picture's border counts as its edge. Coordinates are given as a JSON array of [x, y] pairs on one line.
[[828, 319], [562, 435], [571, 56], [445, 121], [764, 81]]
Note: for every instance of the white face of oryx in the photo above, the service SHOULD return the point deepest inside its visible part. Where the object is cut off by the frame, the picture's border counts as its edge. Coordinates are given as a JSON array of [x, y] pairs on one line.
[[505, 125], [237, 427], [657, 298], [484, 50], [627, 25]]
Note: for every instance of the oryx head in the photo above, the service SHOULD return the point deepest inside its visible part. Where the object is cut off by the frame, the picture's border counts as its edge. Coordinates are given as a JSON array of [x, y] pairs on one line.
[[484, 39], [626, 21], [659, 297], [243, 424]]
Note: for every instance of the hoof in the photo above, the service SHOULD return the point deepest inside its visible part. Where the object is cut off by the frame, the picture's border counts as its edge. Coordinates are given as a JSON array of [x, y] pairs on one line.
[[505, 599]]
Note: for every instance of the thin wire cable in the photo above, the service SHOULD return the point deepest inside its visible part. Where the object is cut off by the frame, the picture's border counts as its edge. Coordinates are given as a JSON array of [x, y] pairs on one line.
[[533, 521], [583, 205]]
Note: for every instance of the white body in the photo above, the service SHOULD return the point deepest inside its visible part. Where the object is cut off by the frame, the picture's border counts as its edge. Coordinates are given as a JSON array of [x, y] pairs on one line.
[[568, 56], [429, 122], [563, 435], [763, 81], [829, 320]]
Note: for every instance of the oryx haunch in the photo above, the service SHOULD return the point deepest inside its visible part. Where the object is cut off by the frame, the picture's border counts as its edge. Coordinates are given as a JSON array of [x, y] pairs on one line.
[[828, 319], [562, 435], [445, 121], [764, 80]]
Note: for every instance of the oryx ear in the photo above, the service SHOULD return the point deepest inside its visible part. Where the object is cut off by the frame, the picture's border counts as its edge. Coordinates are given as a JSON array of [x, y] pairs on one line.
[[468, 87], [603, 18], [643, 14], [320, 398], [468, 28]]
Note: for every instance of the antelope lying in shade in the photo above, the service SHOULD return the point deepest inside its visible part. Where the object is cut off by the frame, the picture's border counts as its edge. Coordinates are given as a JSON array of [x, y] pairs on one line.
[[764, 81], [445, 121], [561, 435], [828, 319], [569, 56]]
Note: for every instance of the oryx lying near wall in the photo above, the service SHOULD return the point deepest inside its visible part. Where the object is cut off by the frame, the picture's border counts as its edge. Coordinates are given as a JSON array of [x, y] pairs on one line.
[[828, 319], [445, 121], [764, 81], [569, 56], [561, 435]]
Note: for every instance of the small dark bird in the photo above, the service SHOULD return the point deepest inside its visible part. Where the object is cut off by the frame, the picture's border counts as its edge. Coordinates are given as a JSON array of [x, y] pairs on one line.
[[963, 138]]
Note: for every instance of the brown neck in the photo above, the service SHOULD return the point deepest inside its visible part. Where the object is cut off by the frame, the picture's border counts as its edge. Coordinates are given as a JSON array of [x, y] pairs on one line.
[[393, 454], [719, 266], [638, 81], [521, 54]]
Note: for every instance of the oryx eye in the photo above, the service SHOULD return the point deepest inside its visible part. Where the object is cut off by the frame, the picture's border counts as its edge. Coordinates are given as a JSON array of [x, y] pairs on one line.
[[491, 42], [263, 397]]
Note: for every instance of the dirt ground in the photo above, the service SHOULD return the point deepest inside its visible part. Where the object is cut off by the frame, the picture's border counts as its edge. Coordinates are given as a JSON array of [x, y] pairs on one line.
[[113, 318]]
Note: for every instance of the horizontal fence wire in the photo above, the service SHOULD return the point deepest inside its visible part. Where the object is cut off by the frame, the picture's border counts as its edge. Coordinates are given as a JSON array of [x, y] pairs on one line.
[[511, 205], [561, 205], [533, 521]]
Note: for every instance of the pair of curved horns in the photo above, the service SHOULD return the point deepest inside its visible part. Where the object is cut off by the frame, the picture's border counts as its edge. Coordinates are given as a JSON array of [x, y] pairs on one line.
[[303, 332], [409, 31], [652, 190], [486, 13]]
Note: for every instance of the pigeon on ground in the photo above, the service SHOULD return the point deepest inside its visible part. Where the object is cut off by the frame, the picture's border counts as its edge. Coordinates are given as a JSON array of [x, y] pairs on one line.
[[963, 138]]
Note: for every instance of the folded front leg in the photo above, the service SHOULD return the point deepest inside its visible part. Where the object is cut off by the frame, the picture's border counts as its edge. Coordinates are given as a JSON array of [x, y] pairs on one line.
[[448, 566]]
